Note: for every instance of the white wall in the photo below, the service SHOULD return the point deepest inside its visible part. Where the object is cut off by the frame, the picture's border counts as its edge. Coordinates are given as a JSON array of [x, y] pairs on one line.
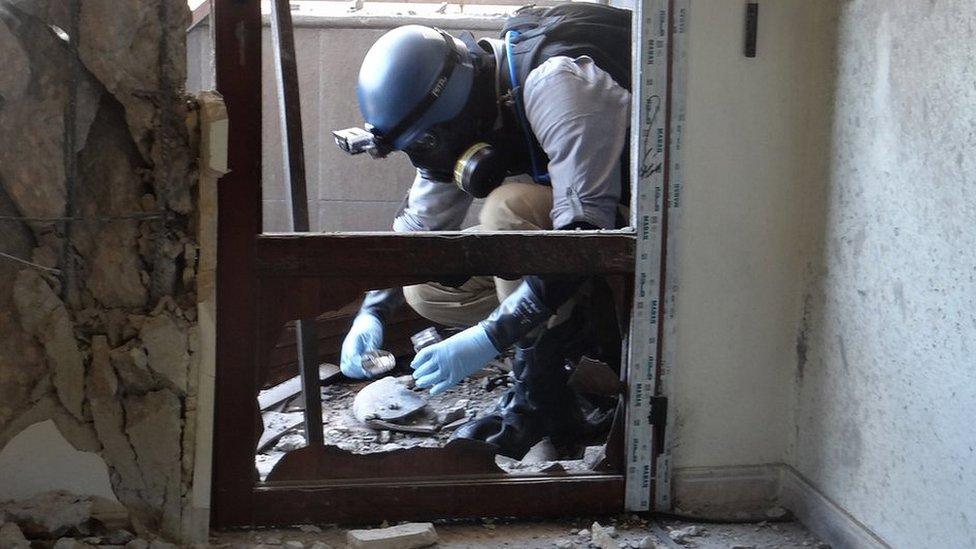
[[39, 459], [751, 126], [886, 401], [827, 307]]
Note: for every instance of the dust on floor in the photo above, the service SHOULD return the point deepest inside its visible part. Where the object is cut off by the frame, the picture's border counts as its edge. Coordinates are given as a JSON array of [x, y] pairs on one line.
[[629, 531], [475, 396]]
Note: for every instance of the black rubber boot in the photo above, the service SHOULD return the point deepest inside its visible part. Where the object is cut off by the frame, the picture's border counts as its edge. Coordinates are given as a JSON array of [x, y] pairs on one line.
[[540, 403]]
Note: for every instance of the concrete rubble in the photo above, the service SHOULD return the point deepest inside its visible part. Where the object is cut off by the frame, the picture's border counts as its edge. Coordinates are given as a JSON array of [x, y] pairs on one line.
[[62, 519], [604, 537], [648, 542], [684, 535], [97, 331], [404, 536], [627, 531], [12, 537], [52, 514]]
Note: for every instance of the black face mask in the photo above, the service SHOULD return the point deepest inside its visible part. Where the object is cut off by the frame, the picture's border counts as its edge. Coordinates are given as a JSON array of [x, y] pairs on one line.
[[462, 149], [435, 152]]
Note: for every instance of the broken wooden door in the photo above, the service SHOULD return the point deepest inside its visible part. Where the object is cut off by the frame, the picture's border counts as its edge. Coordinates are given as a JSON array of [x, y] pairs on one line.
[[266, 281]]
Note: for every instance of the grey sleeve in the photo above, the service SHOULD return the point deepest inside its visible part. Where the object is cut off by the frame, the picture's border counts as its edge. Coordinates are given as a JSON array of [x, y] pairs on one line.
[[432, 206], [580, 117]]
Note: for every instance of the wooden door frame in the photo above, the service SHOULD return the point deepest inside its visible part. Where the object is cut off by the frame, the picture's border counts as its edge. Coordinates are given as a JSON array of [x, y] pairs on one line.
[[265, 280]]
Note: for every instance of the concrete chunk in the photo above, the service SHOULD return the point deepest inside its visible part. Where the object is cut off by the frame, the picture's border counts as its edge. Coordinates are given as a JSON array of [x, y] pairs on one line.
[[404, 536], [603, 536], [50, 514], [12, 537], [681, 535]]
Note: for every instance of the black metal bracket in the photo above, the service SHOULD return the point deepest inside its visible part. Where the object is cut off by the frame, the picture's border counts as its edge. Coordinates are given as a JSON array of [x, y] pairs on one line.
[[752, 28], [658, 414]]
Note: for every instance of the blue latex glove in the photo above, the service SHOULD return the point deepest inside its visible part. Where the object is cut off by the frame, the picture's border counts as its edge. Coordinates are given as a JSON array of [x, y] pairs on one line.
[[366, 334], [443, 365]]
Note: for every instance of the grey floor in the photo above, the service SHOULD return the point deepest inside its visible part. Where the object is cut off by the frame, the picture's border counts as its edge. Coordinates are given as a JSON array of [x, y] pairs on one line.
[[630, 532]]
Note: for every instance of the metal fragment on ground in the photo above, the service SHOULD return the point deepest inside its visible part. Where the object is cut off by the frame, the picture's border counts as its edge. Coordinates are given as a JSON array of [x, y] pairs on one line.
[[544, 451], [454, 424], [417, 429], [287, 389], [387, 400], [276, 425], [596, 378]]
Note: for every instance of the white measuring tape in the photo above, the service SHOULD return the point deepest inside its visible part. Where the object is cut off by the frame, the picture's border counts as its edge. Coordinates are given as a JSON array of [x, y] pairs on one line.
[[652, 146]]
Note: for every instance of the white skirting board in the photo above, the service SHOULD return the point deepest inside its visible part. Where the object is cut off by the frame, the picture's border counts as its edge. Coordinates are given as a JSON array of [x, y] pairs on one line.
[[822, 516], [726, 493], [747, 492]]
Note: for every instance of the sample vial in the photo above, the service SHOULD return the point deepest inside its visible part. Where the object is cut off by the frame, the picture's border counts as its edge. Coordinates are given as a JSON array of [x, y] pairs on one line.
[[425, 338], [377, 363]]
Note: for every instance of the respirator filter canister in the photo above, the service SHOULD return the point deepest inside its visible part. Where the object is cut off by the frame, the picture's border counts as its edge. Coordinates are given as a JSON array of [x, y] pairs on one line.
[[479, 170]]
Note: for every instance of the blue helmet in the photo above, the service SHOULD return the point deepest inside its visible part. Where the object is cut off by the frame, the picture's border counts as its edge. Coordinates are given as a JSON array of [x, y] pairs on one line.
[[412, 78]]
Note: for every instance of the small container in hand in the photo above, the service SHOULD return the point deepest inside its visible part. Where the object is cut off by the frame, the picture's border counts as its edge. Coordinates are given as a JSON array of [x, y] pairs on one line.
[[425, 338], [377, 363]]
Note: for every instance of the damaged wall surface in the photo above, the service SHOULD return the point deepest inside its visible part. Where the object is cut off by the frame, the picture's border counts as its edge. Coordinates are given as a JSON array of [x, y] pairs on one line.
[[886, 381], [99, 220]]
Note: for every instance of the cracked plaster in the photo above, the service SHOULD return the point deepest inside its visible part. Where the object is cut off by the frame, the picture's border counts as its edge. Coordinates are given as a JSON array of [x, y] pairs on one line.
[[103, 347]]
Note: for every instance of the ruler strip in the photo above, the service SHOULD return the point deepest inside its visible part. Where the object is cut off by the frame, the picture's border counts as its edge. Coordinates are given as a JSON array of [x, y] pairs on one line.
[[648, 165], [675, 189]]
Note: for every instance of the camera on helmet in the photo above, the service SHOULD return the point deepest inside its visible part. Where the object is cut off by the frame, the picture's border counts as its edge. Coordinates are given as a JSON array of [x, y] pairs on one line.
[[360, 140]]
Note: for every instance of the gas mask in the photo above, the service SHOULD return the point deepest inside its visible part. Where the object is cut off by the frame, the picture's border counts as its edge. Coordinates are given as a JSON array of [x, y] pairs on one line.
[[462, 150], [446, 153], [480, 169]]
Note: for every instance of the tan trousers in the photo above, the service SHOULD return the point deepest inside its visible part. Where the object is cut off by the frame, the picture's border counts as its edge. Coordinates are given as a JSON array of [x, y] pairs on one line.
[[512, 207]]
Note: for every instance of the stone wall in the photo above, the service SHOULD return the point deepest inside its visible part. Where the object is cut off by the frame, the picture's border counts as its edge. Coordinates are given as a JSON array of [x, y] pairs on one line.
[[98, 225]]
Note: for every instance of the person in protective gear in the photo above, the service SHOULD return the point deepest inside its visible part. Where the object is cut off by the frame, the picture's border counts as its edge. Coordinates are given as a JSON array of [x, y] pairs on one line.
[[536, 122]]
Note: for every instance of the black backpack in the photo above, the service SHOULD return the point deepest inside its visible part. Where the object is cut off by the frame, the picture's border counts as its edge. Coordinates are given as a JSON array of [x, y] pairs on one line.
[[598, 31]]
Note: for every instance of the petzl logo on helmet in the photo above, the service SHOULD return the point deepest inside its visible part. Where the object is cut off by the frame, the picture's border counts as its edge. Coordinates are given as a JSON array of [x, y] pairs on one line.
[[439, 86]]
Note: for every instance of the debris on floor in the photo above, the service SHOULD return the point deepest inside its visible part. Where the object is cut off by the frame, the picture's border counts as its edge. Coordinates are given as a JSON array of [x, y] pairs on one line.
[[277, 425], [272, 396], [389, 413], [682, 535], [594, 377], [64, 520], [404, 536], [604, 537], [12, 537], [622, 532], [430, 426]]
